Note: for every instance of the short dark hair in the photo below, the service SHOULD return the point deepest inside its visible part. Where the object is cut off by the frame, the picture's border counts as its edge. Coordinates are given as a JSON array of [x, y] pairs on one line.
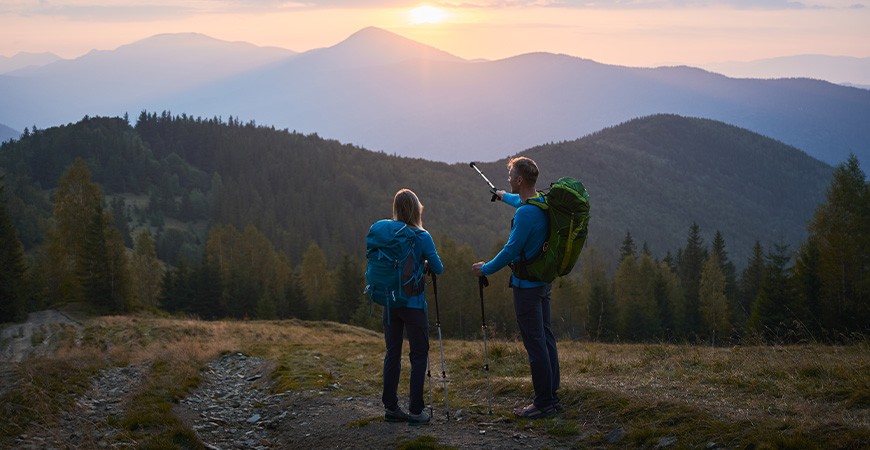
[[526, 168]]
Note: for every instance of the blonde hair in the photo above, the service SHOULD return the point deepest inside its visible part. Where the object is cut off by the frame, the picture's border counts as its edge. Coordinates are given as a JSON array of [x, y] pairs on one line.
[[407, 208]]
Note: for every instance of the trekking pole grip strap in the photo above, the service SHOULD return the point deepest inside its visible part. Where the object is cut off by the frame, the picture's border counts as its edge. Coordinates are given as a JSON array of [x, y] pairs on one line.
[[483, 281]]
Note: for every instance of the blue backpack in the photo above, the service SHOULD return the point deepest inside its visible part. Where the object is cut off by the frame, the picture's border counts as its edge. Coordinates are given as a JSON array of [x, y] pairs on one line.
[[392, 274]]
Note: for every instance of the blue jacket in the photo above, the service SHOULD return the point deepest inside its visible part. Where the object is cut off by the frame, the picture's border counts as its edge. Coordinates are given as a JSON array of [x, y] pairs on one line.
[[425, 251], [528, 233]]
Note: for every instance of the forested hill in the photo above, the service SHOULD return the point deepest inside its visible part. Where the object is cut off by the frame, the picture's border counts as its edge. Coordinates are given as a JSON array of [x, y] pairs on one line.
[[656, 175], [652, 176]]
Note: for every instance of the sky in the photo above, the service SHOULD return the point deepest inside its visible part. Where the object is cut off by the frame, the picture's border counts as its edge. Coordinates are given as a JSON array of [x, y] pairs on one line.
[[625, 32]]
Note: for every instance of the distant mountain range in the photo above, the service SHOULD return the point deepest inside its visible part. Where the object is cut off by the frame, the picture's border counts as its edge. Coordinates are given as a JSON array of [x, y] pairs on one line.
[[7, 133], [385, 92], [845, 70], [24, 60]]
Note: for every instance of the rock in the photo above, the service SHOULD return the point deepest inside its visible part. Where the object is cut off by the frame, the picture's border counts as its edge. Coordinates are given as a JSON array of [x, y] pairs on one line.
[[615, 436], [235, 380], [666, 442]]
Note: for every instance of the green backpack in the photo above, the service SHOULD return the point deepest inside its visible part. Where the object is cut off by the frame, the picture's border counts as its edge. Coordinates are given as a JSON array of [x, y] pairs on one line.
[[567, 208]]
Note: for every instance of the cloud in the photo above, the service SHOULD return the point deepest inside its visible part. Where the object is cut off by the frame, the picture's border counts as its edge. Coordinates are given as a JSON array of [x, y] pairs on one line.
[[145, 10], [649, 4], [102, 9]]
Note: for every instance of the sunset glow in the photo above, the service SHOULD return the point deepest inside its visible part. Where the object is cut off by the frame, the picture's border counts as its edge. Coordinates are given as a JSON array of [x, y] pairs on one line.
[[426, 14], [626, 33]]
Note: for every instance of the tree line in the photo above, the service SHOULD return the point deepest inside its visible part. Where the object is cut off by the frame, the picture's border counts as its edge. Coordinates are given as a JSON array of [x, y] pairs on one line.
[[819, 291]]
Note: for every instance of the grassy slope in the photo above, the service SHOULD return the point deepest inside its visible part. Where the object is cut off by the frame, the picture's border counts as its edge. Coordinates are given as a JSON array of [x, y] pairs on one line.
[[808, 396]]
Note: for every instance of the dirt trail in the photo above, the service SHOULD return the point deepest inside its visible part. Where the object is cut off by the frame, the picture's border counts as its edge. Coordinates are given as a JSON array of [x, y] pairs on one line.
[[35, 337], [233, 408]]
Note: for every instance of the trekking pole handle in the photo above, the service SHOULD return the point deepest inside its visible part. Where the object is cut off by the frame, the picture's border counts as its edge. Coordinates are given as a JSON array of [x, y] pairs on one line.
[[492, 187]]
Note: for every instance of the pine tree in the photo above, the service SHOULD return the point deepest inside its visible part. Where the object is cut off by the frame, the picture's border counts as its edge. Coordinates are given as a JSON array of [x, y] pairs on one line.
[[566, 293], [294, 293], [751, 280], [628, 248], [254, 275], [318, 284], [808, 284], [349, 289], [207, 290], [637, 314], [596, 293], [75, 202], [122, 219], [93, 265], [177, 292], [649, 325], [12, 268], [644, 250], [730, 273], [668, 295], [690, 266], [713, 303], [773, 313], [840, 229], [119, 266], [459, 296], [146, 272]]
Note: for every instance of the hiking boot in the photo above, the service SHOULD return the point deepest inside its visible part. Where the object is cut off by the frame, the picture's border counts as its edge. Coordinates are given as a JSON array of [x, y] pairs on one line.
[[533, 412], [419, 419], [395, 415]]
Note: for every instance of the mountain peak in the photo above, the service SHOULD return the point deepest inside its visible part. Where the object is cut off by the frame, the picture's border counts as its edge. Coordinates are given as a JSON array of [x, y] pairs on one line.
[[25, 60], [372, 32], [372, 46], [169, 41]]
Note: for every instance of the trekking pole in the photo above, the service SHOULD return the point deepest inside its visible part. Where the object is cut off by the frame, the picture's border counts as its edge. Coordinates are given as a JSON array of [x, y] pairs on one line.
[[482, 282], [441, 347], [492, 187], [429, 378], [428, 359]]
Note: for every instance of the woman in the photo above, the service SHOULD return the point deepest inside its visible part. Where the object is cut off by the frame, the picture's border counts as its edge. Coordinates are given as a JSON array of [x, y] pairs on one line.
[[411, 319]]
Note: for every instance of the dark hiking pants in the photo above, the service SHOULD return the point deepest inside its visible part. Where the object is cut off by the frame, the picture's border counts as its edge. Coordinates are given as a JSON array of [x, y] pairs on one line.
[[532, 306], [415, 323]]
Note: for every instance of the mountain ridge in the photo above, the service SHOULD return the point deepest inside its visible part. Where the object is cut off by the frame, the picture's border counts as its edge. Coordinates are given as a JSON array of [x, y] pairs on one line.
[[846, 70], [411, 99], [26, 60], [7, 133]]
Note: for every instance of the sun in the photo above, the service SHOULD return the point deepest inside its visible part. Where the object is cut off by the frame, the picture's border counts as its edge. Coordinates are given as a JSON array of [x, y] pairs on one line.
[[426, 14]]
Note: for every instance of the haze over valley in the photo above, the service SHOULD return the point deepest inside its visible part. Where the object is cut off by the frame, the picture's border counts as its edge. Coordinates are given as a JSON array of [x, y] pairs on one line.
[[384, 92]]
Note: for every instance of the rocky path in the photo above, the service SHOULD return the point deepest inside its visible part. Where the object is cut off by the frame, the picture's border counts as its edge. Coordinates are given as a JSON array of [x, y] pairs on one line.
[[37, 336], [92, 422], [233, 408]]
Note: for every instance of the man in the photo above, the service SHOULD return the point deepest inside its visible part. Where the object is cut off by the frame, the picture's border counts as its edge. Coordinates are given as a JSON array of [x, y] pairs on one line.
[[531, 298]]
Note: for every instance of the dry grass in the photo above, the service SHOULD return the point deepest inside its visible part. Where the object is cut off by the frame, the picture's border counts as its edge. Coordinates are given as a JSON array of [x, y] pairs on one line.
[[809, 396]]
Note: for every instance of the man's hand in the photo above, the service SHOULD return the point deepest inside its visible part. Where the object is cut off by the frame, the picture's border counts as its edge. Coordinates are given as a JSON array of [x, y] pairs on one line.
[[499, 193], [476, 267]]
